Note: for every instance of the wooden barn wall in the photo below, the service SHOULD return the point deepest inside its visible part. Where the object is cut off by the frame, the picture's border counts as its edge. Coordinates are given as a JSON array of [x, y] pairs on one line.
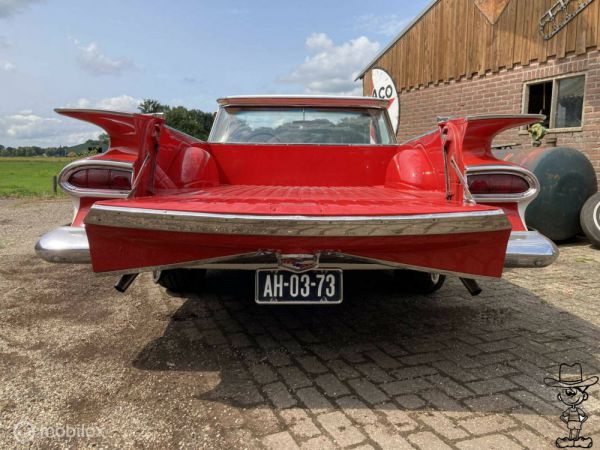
[[454, 40]]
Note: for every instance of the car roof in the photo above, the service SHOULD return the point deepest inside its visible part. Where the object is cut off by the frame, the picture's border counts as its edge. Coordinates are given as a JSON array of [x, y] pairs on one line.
[[304, 100]]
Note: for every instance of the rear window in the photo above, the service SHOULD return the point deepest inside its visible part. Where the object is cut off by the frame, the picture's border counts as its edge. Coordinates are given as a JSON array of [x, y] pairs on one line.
[[302, 126]]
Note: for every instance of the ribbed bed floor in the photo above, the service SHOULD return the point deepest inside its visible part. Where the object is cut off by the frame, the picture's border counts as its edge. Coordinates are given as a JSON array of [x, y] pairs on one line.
[[301, 200]]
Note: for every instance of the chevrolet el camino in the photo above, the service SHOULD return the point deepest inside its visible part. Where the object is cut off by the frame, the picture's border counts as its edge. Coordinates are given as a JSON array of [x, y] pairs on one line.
[[299, 190]]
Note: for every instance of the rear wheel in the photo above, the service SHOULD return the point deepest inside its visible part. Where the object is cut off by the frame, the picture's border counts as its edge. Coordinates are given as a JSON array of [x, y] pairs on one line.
[[180, 280], [590, 218], [419, 282]]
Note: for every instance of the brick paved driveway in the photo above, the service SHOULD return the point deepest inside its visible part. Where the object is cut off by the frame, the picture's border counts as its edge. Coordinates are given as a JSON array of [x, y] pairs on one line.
[[382, 370]]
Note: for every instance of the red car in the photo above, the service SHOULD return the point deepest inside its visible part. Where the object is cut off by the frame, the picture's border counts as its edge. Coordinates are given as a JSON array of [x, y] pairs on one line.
[[299, 190]]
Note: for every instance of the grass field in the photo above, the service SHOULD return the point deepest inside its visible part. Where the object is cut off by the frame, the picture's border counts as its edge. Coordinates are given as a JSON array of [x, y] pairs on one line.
[[21, 177]]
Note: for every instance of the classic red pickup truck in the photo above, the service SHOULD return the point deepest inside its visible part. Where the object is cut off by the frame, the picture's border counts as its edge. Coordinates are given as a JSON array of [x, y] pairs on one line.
[[300, 190]]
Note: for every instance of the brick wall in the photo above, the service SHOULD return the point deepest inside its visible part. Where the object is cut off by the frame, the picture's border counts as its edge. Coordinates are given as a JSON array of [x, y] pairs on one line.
[[502, 93]]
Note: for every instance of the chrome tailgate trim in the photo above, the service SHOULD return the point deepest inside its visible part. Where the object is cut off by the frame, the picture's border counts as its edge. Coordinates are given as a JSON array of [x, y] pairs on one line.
[[315, 226]]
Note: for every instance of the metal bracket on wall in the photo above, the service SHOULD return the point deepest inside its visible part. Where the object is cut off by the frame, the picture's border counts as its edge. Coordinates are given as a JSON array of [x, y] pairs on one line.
[[557, 17]]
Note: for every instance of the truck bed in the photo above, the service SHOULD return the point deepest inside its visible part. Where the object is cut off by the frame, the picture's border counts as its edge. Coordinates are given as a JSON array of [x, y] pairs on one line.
[[302, 200]]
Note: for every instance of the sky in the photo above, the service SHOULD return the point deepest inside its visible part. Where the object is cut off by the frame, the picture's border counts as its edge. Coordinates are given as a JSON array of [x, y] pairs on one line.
[[111, 54]]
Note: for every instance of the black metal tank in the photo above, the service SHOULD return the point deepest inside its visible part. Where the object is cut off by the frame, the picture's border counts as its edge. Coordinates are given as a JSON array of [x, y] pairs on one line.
[[567, 179]]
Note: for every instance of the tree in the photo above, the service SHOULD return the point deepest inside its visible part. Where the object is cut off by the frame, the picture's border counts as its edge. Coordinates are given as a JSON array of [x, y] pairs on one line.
[[194, 122], [149, 106]]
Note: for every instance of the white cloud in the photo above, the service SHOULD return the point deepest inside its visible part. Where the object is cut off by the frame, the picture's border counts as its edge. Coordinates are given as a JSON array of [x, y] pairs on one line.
[[75, 138], [318, 41], [27, 128], [125, 103], [386, 25], [91, 59], [26, 125], [7, 66], [330, 68], [120, 103], [11, 7], [82, 103]]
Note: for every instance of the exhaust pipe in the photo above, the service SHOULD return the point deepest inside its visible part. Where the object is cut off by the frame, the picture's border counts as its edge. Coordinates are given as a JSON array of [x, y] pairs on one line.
[[125, 281], [472, 286]]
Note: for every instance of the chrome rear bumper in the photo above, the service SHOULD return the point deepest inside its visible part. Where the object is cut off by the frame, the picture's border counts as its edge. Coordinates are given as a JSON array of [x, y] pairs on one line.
[[529, 249], [64, 245], [70, 245]]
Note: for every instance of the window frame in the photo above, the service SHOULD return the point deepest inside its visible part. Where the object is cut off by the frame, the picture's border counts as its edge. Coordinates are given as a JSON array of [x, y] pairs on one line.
[[555, 81]]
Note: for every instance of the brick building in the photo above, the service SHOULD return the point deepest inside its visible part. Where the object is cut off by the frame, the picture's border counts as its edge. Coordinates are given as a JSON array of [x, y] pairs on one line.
[[500, 56]]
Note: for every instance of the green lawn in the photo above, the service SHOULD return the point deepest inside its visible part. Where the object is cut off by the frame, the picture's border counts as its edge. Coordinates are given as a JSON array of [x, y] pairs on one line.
[[21, 177]]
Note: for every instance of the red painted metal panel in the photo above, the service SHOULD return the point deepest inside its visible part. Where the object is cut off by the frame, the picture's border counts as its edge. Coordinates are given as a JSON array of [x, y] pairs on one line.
[[302, 165], [472, 253]]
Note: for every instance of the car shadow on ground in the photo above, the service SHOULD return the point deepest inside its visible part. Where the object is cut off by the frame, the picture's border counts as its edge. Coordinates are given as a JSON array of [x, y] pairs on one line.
[[448, 351]]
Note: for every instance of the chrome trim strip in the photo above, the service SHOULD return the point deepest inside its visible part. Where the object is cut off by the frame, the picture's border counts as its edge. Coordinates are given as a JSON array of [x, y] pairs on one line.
[[362, 100], [81, 164], [263, 225], [394, 265], [530, 194], [64, 245], [198, 264], [529, 249]]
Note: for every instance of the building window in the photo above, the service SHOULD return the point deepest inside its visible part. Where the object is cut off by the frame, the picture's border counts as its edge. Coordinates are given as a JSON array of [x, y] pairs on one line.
[[560, 99]]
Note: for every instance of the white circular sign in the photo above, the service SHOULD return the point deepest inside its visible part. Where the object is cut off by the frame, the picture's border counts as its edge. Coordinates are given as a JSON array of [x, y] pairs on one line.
[[384, 87]]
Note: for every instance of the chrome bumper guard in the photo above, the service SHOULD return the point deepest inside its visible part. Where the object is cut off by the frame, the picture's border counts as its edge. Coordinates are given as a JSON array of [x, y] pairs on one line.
[[70, 245], [64, 245], [529, 249]]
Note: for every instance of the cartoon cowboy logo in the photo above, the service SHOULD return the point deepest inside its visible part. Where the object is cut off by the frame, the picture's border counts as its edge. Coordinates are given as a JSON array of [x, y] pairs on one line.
[[572, 393]]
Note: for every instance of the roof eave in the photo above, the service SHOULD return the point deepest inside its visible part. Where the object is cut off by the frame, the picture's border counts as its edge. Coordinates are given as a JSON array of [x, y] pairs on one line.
[[397, 38]]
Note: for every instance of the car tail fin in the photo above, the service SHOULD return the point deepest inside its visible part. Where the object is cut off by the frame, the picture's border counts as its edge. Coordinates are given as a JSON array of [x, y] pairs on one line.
[[472, 135], [119, 126], [480, 130]]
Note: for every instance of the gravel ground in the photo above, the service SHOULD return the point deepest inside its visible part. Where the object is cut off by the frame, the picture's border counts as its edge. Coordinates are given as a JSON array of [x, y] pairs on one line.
[[382, 370]]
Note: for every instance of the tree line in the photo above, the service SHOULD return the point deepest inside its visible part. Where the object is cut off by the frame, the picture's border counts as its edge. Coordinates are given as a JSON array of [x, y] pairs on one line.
[[42, 151], [194, 122]]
